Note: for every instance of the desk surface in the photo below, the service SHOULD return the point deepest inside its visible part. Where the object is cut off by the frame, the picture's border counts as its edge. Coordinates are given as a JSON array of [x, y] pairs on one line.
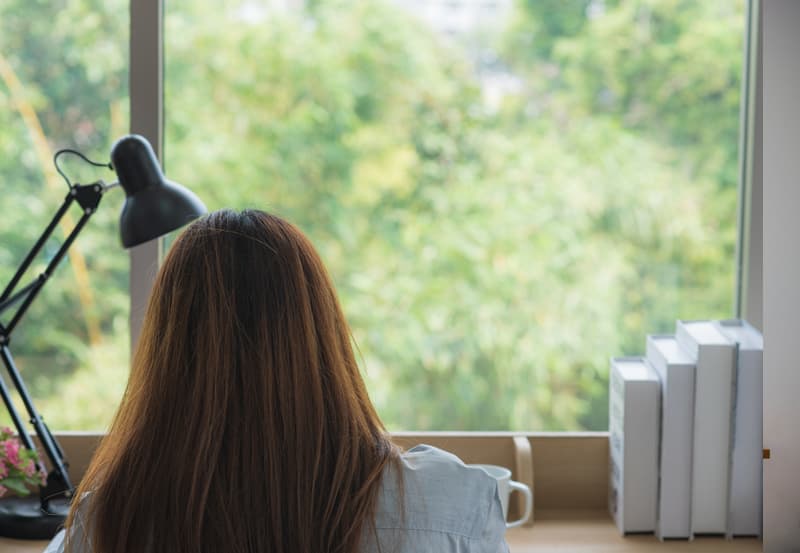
[[582, 531], [575, 531]]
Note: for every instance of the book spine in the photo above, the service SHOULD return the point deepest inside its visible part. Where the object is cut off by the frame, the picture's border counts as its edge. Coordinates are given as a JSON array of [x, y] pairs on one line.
[[642, 409], [633, 430], [746, 469], [714, 381], [616, 397], [675, 492]]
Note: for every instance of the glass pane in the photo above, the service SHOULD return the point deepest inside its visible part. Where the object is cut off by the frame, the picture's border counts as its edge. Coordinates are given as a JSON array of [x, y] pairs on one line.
[[63, 84], [507, 193]]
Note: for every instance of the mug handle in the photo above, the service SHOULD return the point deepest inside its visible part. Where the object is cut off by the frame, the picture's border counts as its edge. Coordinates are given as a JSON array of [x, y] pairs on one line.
[[526, 491]]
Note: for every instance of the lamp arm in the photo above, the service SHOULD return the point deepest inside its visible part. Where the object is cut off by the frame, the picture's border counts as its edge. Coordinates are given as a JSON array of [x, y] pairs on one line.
[[12, 410], [58, 481], [88, 197], [35, 249], [20, 294], [42, 279]]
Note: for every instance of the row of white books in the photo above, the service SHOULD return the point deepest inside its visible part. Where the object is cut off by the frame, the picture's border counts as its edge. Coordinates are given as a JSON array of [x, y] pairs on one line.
[[685, 432]]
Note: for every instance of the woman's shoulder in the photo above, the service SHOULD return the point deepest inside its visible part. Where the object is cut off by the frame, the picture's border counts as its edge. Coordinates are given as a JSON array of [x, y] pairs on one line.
[[440, 494], [434, 467]]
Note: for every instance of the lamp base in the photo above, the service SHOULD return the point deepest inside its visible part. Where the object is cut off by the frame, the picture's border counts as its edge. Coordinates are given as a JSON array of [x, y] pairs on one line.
[[22, 518]]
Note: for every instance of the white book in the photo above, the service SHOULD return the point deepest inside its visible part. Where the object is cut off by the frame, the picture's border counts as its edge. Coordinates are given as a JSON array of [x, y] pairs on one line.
[[633, 443], [675, 369], [714, 357], [746, 461]]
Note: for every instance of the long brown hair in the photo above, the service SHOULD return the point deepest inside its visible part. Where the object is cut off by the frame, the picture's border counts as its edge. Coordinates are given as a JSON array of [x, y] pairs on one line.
[[245, 425]]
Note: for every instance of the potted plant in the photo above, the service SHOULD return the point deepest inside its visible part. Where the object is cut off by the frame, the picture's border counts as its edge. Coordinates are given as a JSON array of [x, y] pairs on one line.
[[20, 469]]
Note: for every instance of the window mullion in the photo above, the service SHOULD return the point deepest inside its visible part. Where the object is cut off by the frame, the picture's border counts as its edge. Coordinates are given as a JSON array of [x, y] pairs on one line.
[[147, 108]]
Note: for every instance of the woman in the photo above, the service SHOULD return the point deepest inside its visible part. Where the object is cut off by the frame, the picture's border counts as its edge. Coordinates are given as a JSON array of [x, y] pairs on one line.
[[246, 426]]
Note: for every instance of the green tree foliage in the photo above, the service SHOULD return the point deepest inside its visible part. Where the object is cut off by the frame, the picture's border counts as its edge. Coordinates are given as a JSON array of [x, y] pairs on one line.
[[490, 255], [64, 84]]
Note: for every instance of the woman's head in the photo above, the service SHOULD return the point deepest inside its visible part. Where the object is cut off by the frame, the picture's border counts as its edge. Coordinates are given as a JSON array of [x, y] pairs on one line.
[[245, 405]]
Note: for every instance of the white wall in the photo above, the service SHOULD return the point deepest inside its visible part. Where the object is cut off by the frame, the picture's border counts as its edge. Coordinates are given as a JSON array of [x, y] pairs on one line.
[[781, 173]]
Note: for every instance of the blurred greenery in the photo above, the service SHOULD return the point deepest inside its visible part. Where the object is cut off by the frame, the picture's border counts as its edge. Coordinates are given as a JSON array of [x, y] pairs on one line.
[[492, 249]]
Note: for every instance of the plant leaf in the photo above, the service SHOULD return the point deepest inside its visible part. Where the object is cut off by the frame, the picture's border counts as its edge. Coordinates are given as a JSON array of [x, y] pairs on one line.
[[17, 485]]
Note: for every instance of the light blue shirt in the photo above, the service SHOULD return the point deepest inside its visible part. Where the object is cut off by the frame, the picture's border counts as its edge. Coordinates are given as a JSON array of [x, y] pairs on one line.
[[449, 508]]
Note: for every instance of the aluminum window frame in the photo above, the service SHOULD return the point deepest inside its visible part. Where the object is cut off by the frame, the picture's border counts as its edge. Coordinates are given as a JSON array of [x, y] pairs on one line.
[[749, 244]]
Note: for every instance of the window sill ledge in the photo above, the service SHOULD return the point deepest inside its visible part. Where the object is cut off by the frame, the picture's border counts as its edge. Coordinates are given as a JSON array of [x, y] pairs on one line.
[[569, 474], [569, 530], [593, 531]]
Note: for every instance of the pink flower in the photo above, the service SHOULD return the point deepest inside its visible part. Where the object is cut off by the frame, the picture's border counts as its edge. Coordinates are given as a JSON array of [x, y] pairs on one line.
[[12, 450], [20, 464]]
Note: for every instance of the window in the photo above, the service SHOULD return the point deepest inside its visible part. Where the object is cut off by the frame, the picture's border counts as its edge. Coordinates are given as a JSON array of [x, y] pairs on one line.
[[63, 84], [506, 193], [505, 197]]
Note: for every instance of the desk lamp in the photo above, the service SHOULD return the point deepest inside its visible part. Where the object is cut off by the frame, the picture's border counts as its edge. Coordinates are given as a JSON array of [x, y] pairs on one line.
[[153, 207]]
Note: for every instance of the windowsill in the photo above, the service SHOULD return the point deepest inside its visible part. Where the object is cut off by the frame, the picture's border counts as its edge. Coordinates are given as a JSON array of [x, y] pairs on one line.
[[593, 531], [568, 530], [569, 473]]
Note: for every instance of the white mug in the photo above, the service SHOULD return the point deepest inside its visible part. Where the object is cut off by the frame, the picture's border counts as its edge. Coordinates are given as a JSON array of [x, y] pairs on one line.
[[505, 485]]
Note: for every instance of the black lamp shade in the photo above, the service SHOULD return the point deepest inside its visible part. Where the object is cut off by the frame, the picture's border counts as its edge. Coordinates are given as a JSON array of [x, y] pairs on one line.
[[153, 205]]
